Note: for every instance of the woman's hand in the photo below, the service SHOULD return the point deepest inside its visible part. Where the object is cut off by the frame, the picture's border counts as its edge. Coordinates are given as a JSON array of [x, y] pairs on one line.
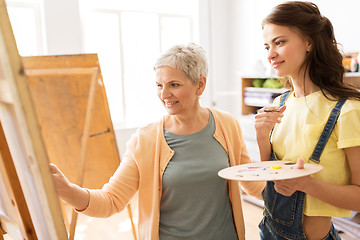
[[289, 186], [266, 118], [62, 184], [71, 193]]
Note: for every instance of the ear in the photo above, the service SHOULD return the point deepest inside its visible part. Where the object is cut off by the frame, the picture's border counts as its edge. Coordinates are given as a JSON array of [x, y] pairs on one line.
[[308, 46], [201, 85]]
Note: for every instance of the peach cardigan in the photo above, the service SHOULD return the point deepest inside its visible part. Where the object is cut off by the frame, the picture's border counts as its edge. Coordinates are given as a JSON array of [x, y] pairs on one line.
[[142, 168]]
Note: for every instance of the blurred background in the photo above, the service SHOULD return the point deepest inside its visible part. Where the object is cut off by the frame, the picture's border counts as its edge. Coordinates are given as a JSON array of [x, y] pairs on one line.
[[129, 35]]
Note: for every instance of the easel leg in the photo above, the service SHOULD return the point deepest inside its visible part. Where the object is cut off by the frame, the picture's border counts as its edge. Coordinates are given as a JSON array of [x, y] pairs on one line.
[[74, 218], [84, 145], [1, 233], [131, 220], [65, 212]]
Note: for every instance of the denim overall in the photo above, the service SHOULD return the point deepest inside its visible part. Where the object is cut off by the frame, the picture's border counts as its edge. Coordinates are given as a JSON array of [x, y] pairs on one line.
[[283, 215]]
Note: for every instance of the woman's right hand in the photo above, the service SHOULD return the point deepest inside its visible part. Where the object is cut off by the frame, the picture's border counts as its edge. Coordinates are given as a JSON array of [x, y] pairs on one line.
[[62, 184], [71, 193], [266, 118]]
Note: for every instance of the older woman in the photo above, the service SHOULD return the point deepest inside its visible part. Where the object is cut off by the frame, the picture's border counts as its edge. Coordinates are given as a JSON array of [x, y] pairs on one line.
[[173, 163]]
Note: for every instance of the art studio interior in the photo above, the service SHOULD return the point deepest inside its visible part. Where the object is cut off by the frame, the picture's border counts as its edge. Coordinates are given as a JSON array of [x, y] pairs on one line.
[[90, 85]]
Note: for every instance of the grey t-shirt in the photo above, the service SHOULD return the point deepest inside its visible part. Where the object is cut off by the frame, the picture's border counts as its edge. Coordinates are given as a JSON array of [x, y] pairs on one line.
[[195, 200]]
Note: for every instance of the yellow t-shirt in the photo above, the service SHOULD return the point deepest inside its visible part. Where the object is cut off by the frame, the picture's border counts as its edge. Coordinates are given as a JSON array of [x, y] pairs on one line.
[[297, 134]]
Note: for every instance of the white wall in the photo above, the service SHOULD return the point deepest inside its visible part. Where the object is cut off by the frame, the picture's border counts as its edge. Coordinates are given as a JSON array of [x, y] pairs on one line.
[[217, 35], [62, 27]]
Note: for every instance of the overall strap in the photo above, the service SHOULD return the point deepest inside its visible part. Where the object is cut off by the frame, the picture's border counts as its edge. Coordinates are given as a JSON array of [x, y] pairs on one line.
[[325, 135], [283, 98]]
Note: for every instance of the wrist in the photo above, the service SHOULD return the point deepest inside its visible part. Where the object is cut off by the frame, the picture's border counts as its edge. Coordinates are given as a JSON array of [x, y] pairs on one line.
[[83, 200], [262, 138], [77, 197], [81, 197], [307, 183]]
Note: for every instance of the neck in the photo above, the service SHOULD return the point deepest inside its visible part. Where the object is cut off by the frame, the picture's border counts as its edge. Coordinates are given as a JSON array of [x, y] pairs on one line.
[[303, 86], [189, 123]]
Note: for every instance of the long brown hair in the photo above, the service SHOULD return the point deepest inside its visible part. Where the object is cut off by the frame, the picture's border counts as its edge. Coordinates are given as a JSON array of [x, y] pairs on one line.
[[324, 60]]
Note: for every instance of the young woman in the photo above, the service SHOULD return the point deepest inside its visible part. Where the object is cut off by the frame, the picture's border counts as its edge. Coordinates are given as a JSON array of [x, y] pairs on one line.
[[302, 48]]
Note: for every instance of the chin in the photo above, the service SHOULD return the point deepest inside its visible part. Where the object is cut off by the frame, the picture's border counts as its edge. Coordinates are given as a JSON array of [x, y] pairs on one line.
[[280, 74], [170, 112]]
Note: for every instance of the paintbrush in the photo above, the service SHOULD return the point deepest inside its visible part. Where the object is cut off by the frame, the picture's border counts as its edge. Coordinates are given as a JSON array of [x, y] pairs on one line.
[[268, 110]]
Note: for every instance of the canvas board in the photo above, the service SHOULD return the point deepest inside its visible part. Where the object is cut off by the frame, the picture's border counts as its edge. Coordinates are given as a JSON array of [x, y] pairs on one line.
[[22, 132]]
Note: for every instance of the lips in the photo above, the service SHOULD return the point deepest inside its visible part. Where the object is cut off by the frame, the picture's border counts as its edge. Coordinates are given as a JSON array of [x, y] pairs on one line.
[[277, 64], [170, 104]]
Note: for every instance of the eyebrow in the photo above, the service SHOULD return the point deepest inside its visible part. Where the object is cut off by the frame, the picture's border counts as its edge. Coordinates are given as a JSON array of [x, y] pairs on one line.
[[169, 82]]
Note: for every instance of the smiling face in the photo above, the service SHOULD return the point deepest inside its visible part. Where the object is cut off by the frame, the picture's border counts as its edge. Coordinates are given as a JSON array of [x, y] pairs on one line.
[[177, 92], [287, 49]]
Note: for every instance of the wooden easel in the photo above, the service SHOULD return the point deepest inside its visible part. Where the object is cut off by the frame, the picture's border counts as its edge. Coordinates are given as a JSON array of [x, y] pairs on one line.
[[8, 172], [80, 140], [29, 148], [24, 161]]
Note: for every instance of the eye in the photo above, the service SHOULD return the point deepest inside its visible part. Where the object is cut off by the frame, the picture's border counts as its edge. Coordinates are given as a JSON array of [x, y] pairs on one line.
[[267, 48], [158, 85], [175, 85], [279, 43]]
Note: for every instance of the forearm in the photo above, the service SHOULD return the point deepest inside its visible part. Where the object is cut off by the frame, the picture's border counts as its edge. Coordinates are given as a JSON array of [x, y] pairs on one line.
[[264, 147], [342, 196], [253, 188]]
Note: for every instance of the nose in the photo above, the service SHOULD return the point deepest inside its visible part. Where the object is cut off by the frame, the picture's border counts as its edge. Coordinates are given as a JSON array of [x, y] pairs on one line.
[[271, 54], [164, 93]]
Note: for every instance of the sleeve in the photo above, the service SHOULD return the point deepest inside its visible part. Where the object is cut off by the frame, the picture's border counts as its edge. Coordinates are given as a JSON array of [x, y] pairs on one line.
[[348, 125], [252, 188], [121, 188]]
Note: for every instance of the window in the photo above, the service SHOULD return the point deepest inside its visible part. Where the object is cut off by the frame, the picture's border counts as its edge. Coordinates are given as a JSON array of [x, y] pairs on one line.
[[25, 18], [128, 37]]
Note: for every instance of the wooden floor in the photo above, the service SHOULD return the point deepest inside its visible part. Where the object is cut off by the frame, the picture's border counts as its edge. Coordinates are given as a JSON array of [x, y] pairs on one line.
[[119, 227], [252, 217]]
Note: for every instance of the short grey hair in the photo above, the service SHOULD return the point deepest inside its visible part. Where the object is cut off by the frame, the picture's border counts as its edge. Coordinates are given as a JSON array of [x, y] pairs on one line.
[[191, 59]]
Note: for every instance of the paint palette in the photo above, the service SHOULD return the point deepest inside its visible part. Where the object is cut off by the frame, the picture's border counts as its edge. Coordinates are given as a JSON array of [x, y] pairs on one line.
[[268, 171]]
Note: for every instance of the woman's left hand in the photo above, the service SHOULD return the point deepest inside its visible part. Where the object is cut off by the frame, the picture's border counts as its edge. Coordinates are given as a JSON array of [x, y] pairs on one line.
[[289, 186]]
